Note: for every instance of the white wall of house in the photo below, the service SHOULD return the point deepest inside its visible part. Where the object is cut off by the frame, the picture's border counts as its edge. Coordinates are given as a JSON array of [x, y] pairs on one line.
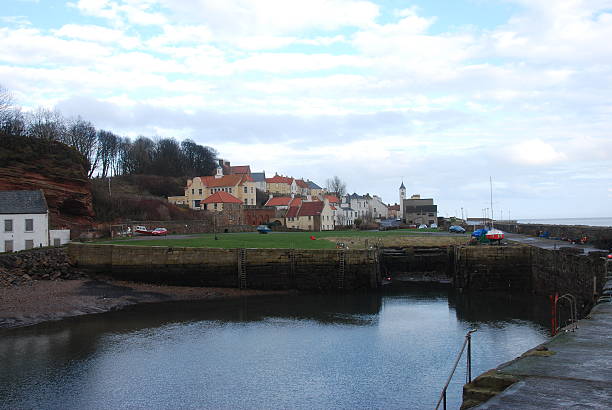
[[59, 237], [378, 208], [14, 234], [345, 216]]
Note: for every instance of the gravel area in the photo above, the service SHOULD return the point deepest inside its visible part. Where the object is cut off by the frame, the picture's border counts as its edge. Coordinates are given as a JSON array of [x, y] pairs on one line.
[[41, 301]]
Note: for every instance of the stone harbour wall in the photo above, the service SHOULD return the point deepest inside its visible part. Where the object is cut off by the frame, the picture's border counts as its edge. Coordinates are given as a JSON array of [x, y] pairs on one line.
[[598, 236], [314, 270]]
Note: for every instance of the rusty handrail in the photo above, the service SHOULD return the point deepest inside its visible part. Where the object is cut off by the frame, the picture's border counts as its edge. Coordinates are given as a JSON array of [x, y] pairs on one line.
[[467, 342]]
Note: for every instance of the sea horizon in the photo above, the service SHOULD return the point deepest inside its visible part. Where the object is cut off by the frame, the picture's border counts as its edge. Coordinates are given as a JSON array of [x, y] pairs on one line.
[[592, 221]]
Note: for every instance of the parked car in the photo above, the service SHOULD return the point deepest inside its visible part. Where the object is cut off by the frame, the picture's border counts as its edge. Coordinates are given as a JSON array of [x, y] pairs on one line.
[[456, 229], [263, 229], [159, 232], [433, 226], [422, 226]]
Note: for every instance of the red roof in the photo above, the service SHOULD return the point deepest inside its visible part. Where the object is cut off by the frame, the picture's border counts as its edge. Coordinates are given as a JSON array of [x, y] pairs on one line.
[[296, 202], [333, 199], [277, 179], [221, 197], [292, 212], [278, 201], [394, 207], [301, 183], [240, 169], [311, 208], [225, 180]]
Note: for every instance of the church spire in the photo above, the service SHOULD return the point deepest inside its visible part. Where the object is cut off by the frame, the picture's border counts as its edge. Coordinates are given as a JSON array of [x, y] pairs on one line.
[[402, 186]]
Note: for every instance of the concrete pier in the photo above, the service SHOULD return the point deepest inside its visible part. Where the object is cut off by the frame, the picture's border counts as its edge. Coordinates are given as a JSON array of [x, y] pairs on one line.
[[572, 370]]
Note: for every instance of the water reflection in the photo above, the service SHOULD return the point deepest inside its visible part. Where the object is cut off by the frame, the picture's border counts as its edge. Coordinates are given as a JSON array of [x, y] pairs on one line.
[[390, 350]]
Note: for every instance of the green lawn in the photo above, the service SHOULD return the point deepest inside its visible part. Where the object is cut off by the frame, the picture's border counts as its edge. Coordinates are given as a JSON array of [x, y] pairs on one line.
[[297, 240]]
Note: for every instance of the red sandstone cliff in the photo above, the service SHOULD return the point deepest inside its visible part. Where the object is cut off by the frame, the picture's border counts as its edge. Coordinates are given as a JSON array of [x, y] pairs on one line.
[[55, 168]]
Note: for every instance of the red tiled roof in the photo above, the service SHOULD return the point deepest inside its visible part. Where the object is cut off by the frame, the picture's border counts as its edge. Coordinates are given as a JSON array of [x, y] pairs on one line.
[[333, 199], [226, 180], [240, 169], [332, 207], [296, 202], [277, 179], [278, 201], [292, 212], [311, 208], [301, 183], [221, 197], [394, 208]]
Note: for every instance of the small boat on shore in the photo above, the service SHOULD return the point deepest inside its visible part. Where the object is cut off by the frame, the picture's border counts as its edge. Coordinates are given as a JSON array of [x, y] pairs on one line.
[[494, 235]]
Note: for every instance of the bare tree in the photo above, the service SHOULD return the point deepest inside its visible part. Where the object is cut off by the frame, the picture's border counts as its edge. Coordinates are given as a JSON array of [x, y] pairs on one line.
[[108, 146], [6, 104], [337, 186], [46, 125], [81, 135]]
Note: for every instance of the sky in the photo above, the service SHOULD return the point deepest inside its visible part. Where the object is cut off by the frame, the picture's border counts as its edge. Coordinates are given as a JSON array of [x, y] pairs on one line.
[[440, 95]]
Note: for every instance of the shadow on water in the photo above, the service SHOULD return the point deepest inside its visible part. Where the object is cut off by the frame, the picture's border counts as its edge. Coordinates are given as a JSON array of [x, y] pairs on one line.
[[301, 338]]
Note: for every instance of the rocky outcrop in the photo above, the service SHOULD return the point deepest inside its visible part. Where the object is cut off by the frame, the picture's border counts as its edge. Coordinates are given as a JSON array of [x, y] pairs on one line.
[[44, 264], [27, 164]]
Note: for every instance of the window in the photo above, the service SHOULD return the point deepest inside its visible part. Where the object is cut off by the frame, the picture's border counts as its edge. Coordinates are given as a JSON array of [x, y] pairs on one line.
[[200, 191], [215, 206], [8, 225], [245, 190], [29, 225], [193, 192], [251, 189], [230, 190], [8, 246], [252, 201], [29, 244], [246, 201], [57, 242], [309, 219], [211, 191]]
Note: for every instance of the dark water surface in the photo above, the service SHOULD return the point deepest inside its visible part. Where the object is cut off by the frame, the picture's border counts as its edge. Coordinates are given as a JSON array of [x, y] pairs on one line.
[[386, 351]]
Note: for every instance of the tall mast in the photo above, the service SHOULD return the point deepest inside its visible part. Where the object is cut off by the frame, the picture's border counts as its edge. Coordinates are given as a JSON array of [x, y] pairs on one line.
[[491, 185]]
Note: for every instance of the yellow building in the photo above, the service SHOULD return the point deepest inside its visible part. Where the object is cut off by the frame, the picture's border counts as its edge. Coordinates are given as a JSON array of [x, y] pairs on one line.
[[281, 185], [200, 188], [311, 216]]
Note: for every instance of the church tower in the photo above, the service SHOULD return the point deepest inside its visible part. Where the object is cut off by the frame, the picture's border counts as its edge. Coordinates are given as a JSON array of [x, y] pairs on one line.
[[402, 196]]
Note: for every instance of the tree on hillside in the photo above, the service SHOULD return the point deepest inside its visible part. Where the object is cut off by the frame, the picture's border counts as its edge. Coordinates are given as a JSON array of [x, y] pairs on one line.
[[198, 160], [46, 125], [337, 186], [108, 146], [81, 135], [167, 158]]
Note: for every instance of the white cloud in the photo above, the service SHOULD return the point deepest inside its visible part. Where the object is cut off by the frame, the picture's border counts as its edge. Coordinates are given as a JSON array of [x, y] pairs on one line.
[[97, 34], [535, 152]]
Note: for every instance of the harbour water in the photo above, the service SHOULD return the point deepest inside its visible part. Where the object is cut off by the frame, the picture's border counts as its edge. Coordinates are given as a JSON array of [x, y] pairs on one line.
[[384, 350], [606, 221]]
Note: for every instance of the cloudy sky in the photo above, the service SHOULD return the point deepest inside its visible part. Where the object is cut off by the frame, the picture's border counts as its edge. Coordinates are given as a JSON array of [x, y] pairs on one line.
[[439, 94]]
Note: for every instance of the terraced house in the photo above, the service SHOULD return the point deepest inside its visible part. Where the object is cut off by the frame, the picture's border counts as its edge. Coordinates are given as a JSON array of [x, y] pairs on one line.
[[198, 189], [311, 216]]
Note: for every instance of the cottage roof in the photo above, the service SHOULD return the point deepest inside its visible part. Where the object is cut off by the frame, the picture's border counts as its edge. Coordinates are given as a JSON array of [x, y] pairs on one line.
[[240, 169], [311, 208], [292, 212], [23, 202], [221, 197], [258, 176], [333, 199], [224, 181], [312, 185], [301, 183], [277, 179], [278, 201]]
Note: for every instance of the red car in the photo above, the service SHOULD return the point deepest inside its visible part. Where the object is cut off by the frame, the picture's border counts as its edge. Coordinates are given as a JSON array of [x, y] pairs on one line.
[[159, 232]]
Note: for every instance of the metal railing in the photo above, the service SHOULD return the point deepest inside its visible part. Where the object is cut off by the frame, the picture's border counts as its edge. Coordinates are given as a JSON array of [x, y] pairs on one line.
[[467, 342]]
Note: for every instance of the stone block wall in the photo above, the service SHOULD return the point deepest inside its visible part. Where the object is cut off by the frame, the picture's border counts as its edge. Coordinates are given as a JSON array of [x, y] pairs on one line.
[[315, 270], [566, 272], [493, 268]]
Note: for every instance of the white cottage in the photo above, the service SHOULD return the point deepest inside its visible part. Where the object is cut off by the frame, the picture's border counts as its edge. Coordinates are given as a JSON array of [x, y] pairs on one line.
[[24, 220]]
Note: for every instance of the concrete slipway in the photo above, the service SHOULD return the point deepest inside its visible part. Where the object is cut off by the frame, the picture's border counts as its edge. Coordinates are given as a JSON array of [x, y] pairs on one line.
[[572, 370]]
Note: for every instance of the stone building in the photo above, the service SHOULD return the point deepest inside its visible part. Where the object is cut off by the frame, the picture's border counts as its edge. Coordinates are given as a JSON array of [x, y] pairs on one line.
[[419, 211]]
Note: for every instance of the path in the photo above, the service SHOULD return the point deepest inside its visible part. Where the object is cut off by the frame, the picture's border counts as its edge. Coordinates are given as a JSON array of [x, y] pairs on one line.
[[548, 243], [578, 373]]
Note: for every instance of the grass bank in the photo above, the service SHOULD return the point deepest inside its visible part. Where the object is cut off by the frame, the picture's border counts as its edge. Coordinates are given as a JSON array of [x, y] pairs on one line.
[[303, 240]]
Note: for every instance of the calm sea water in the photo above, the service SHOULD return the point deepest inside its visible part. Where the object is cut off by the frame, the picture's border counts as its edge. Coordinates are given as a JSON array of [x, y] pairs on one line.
[[570, 221], [386, 351]]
